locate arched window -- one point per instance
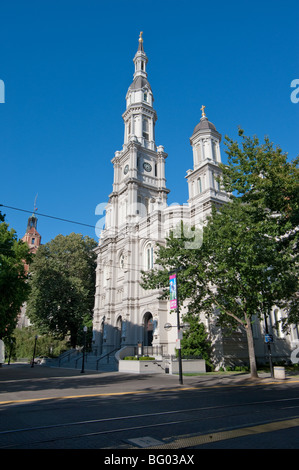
(149, 256)
(105, 275)
(122, 262)
(199, 182)
(214, 150)
(145, 129)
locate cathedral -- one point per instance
(138, 217)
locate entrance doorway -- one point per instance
(148, 329)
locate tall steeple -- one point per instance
(139, 185)
(140, 116)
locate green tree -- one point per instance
(245, 271)
(262, 176)
(196, 342)
(46, 345)
(14, 288)
(63, 285)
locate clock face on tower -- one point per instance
(147, 166)
(126, 169)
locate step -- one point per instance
(90, 363)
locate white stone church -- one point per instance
(138, 217)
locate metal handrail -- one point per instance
(66, 355)
(105, 355)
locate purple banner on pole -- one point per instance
(173, 291)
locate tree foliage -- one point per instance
(14, 288)
(196, 342)
(24, 340)
(263, 177)
(247, 262)
(63, 285)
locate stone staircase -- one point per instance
(73, 359)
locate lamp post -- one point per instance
(268, 341)
(179, 340)
(84, 347)
(174, 303)
(32, 365)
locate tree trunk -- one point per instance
(73, 337)
(252, 361)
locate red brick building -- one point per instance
(32, 237)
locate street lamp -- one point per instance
(32, 365)
(84, 347)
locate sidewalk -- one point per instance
(21, 382)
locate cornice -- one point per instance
(139, 108)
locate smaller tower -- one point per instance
(33, 240)
(32, 237)
(203, 180)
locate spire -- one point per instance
(32, 223)
(140, 60)
(140, 116)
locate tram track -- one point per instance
(36, 436)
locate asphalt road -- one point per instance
(127, 415)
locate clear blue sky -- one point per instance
(67, 66)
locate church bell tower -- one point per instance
(204, 183)
(139, 185)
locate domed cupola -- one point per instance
(205, 141)
(204, 125)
